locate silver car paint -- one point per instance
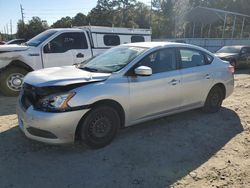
(60, 76)
(142, 98)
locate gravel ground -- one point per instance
(190, 149)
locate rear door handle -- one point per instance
(80, 55)
(207, 76)
(174, 82)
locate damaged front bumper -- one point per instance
(48, 127)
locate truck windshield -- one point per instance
(113, 60)
(229, 49)
(37, 40)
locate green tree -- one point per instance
(22, 30)
(65, 22)
(142, 15)
(80, 20)
(163, 18)
(102, 14)
(31, 29)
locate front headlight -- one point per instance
(56, 102)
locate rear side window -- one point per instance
(111, 40)
(137, 39)
(191, 58)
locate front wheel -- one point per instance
(11, 80)
(100, 126)
(214, 100)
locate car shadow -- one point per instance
(153, 154)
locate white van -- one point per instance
(60, 47)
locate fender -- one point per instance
(17, 63)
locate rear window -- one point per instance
(137, 39)
(111, 40)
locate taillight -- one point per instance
(231, 69)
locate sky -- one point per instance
(50, 10)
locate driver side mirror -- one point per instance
(143, 71)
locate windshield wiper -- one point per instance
(89, 69)
(94, 70)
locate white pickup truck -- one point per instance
(60, 47)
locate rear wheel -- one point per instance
(11, 80)
(214, 100)
(100, 126)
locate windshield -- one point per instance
(40, 38)
(229, 49)
(114, 59)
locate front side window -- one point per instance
(113, 59)
(191, 58)
(111, 40)
(65, 42)
(160, 61)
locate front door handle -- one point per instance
(80, 55)
(174, 82)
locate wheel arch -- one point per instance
(222, 87)
(105, 102)
(20, 64)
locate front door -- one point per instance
(156, 94)
(66, 49)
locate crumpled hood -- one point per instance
(223, 55)
(12, 48)
(61, 76)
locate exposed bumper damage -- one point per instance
(48, 127)
(53, 128)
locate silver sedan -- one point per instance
(126, 85)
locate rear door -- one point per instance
(196, 76)
(66, 49)
(158, 93)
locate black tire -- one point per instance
(99, 127)
(6, 80)
(214, 100)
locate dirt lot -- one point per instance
(191, 149)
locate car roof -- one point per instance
(237, 46)
(65, 29)
(165, 44)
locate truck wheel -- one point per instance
(99, 127)
(11, 80)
